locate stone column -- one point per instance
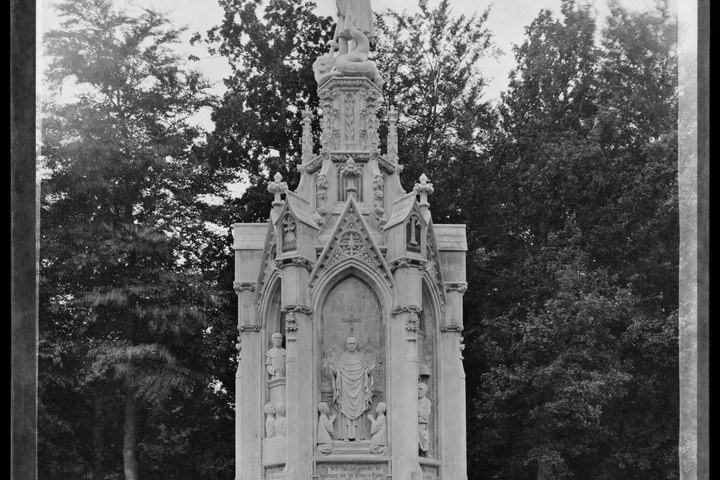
(403, 370)
(248, 381)
(451, 387)
(299, 366)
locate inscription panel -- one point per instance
(334, 471)
(429, 472)
(275, 473)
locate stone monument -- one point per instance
(365, 292)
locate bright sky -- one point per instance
(507, 22)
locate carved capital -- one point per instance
(407, 262)
(405, 309)
(296, 261)
(297, 308)
(451, 328)
(249, 328)
(460, 287)
(242, 286)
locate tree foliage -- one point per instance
(258, 121)
(124, 296)
(567, 375)
(429, 61)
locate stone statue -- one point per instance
(378, 430)
(352, 390)
(280, 420)
(275, 357)
(424, 407)
(349, 12)
(325, 430)
(355, 23)
(269, 420)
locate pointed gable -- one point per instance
(299, 208)
(403, 207)
(351, 239)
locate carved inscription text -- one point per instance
(331, 471)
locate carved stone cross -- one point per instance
(351, 244)
(351, 320)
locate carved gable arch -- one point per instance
(351, 242)
(407, 227)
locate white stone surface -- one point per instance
(350, 254)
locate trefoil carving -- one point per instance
(460, 287)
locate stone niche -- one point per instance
(351, 308)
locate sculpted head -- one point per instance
(351, 344)
(323, 407)
(422, 390)
(381, 408)
(269, 408)
(281, 409)
(277, 339)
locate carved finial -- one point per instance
(351, 172)
(277, 188)
(424, 188)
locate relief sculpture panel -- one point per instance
(352, 367)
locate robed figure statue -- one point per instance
(352, 391)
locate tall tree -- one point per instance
(123, 224)
(570, 318)
(430, 61)
(258, 121)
